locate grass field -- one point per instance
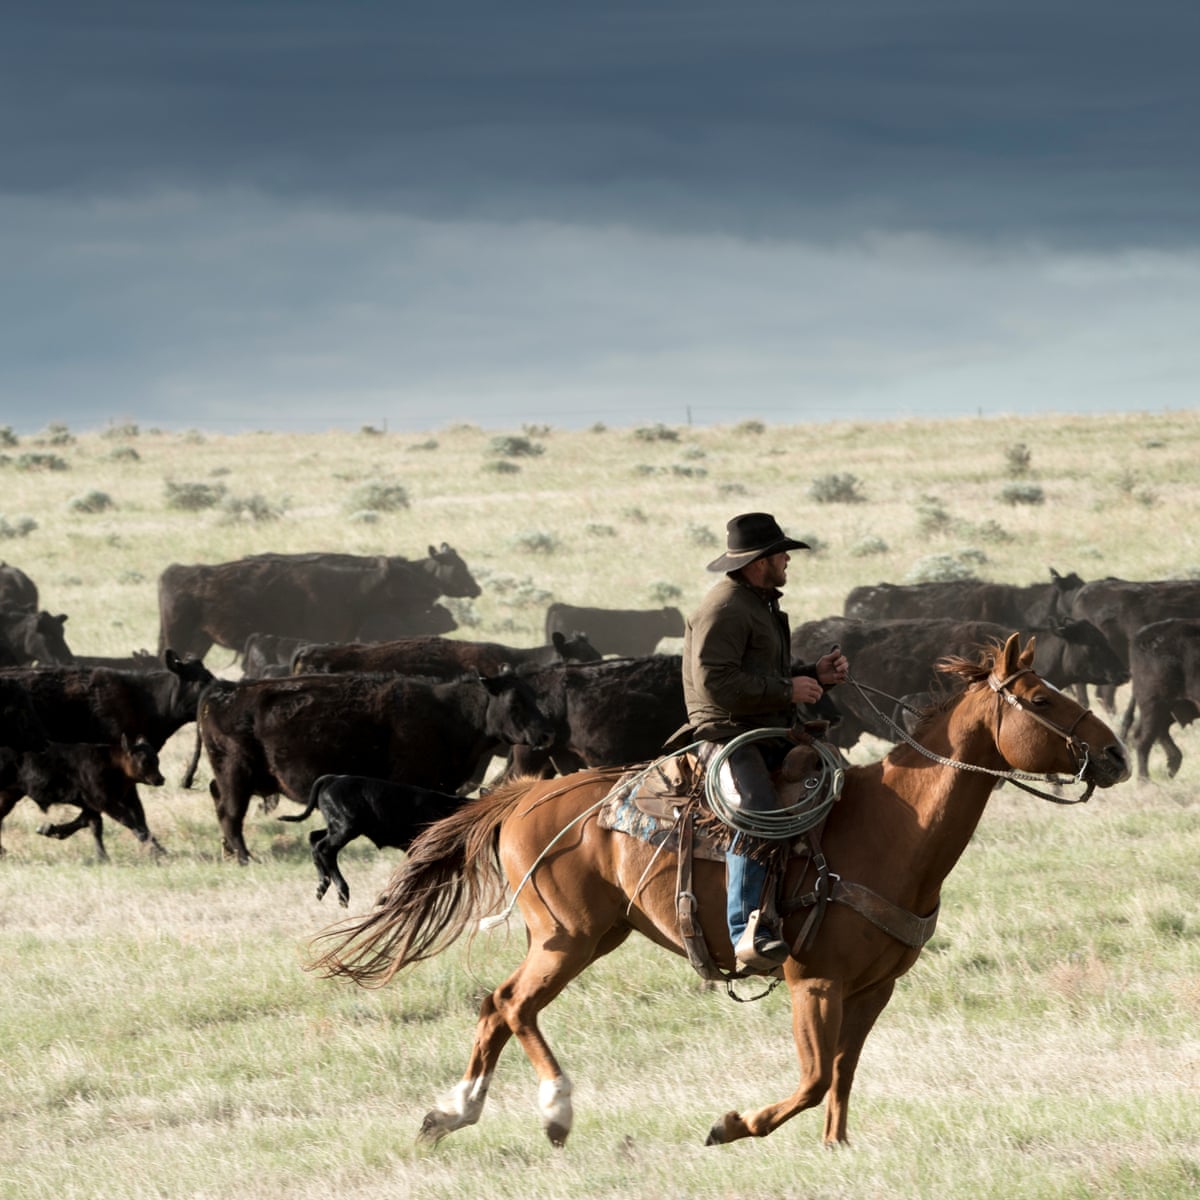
(160, 1038)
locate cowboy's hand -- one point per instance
(806, 690)
(832, 668)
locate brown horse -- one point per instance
(898, 829)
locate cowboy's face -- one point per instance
(774, 570)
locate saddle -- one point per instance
(663, 803)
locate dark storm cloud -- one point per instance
(1065, 122)
(293, 214)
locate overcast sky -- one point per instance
(302, 214)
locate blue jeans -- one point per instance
(744, 883)
(747, 776)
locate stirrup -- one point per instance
(760, 948)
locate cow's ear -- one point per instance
(171, 659)
(61, 619)
(125, 742)
(432, 551)
(559, 641)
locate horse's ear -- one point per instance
(1026, 659)
(1007, 661)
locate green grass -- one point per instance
(159, 1037)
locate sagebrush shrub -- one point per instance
(19, 527)
(1023, 493)
(938, 568)
(535, 541)
(839, 488)
(512, 446)
(501, 466)
(193, 497)
(91, 502)
(1019, 459)
(662, 592)
(867, 546)
(41, 462)
(656, 433)
(379, 495)
(254, 508)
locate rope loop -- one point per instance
(818, 797)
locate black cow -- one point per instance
(1120, 607)
(266, 736)
(28, 637)
(606, 713)
(100, 780)
(1164, 659)
(318, 597)
(439, 658)
(897, 657)
(20, 726)
(625, 631)
(1016, 605)
(383, 626)
(390, 814)
(17, 590)
(81, 704)
(139, 660)
(268, 655)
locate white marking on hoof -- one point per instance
(554, 1103)
(461, 1107)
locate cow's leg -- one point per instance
(1153, 725)
(231, 798)
(66, 828)
(87, 817)
(1106, 693)
(512, 1010)
(858, 1018)
(316, 839)
(325, 855)
(1127, 718)
(816, 1028)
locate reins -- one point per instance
(1001, 687)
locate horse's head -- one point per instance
(1040, 729)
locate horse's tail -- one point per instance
(450, 877)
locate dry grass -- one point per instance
(161, 1039)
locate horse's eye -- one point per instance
(1040, 699)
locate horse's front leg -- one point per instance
(816, 1028)
(859, 1014)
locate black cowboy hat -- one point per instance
(750, 536)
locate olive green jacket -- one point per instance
(737, 671)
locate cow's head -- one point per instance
(139, 760)
(45, 641)
(575, 648)
(513, 715)
(451, 573)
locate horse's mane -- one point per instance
(970, 671)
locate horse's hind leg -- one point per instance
(512, 1009)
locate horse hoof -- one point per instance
(433, 1128)
(719, 1134)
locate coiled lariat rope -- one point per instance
(820, 793)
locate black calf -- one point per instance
(390, 814)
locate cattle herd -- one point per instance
(353, 703)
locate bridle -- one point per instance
(1004, 695)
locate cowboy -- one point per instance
(737, 676)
